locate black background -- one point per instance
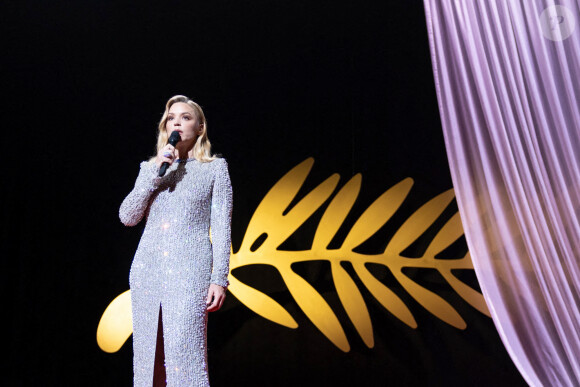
(348, 83)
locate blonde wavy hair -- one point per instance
(202, 147)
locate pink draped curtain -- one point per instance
(507, 75)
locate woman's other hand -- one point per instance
(215, 297)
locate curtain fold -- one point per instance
(507, 75)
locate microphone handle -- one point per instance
(163, 169)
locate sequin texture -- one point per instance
(175, 262)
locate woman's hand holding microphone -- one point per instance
(167, 154)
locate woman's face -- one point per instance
(182, 118)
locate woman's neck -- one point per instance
(185, 149)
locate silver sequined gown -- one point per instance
(175, 263)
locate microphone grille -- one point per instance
(174, 138)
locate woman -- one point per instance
(178, 274)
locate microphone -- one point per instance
(173, 140)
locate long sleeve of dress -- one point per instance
(221, 215)
(135, 204)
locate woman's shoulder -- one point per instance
(218, 162)
(219, 167)
(147, 164)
